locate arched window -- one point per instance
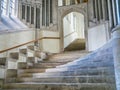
(8, 7)
(4, 7)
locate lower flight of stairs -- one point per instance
(92, 72)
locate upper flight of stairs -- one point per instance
(77, 44)
(66, 71)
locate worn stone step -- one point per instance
(50, 63)
(42, 66)
(31, 47)
(22, 65)
(76, 68)
(100, 71)
(60, 86)
(31, 70)
(31, 59)
(23, 51)
(14, 55)
(70, 79)
(87, 63)
(42, 55)
(11, 73)
(25, 75)
(2, 61)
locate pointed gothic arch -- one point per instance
(63, 11)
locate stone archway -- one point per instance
(63, 11)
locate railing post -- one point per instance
(116, 54)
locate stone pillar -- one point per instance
(118, 10)
(114, 12)
(19, 15)
(106, 10)
(116, 54)
(40, 15)
(52, 6)
(64, 2)
(100, 9)
(35, 16)
(103, 9)
(45, 12)
(0, 9)
(110, 13)
(7, 8)
(30, 16)
(25, 13)
(96, 10)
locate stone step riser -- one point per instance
(70, 80)
(87, 65)
(31, 71)
(23, 51)
(3, 61)
(76, 64)
(61, 87)
(75, 68)
(74, 73)
(14, 55)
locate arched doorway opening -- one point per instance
(63, 11)
(74, 31)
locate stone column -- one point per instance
(116, 54)
(25, 13)
(103, 9)
(0, 9)
(100, 9)
(41, 16)
(110, 13)
(35, 16)
(118, 10)
(45, 12)
(64, 2)
(114, 12)
(19, 15)
(7, 8)
(96, 10)
(106, 10)
(30, 16)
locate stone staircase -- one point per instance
(64, 71)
